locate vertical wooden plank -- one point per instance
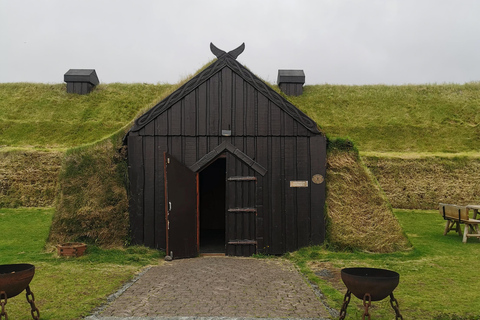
(259, 220)
(213, 105)
(239, 217)
(136, 177)
(250, 111)
(161, 124)
(302, 131)
(202, 118)
(212, 143)
(149, 192)
(262, 218)
(303, 194)
(288, 126)
(250, 151)
(318, 156)
(160, 224)
(253, 230)
(238, 124)
(265, 158)
(190, 150)
(275, 120)
(149, 129)
(231, 199)
(190, 115)
(262, 115)
(201, 147)
(175, 119)
(227, 97)
(276, 189)
(240, 202)
(290, 194)
(175, 147)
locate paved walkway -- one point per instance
(217, 288)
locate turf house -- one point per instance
(225, 164)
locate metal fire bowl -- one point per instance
(14, 278)
(379, 283)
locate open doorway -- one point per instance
(212, 207)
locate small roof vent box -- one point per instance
(81, 81)
(291, 81)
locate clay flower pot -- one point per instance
(71, 249)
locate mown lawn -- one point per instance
(64, 288)
(438, 278)
(46, 116)
(407, 118)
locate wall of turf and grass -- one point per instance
(421, 142)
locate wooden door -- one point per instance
(181, 209)
(241, 219)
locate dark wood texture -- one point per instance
(80, 81)
(269, 144)
(291, 81)
(291, 89)
(181, 209)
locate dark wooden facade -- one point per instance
(257, 165)
(80, 81)
(291, 81)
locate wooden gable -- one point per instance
(224, 95)
(272, 155)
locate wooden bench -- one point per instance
(456, 215)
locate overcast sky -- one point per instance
(333, 41)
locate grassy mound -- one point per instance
(408, 118)
(423, 182)
(46, 116)
(413, 118)
(28, 178)
(92, 203)
(360, 217)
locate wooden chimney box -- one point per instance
(291, 81)
(80, 81)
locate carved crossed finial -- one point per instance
(234, 53)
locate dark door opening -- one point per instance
(212, 207)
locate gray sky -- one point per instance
(153, 41)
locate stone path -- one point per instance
(217, 288)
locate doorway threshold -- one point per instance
(212, 254)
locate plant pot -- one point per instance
(71, 249)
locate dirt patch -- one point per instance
(328, 273)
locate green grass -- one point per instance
(408, 118)
(46, 116)
(378, 118)
(438, 278)
(64, 288)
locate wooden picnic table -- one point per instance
(475, 208)
(456, 215)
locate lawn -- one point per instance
(64, 288)
(438, 278)
(46, 116)
(407, 118)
